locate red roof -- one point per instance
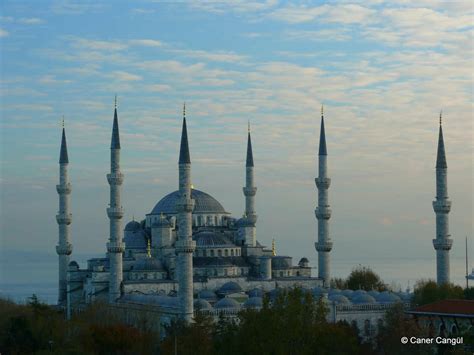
(451, 307)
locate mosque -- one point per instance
(189, 254)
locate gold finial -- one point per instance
(440, 117)
(133, 218)
(249, 126)
(184, 109)
(148, 249)
(322, 110)
(192, 187)
(62, 122)
(274, 253)
(162, 216)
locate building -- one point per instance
(189, 254)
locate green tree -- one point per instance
(364, 278)
(428, 291)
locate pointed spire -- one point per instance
(63, 157)
(184, 157)
(322, 137)
(274, 253)
(441, 157)
(249, 162)
(115, 130)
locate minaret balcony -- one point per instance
(443, 244)
(115, 212)
(186, 205)
(251, 218)
(64, 218)
(322, 212)
(322, 183)
(64, 189)
(323, 246)
(64, 249)
(115, 247)
(442, 206)
(115, 178)
(185, 246)
(250, 191)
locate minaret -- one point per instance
(64, 218)
(442, 206)
(185, 246)
(115, 246)
(323, 212)
(249, 192)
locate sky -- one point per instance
(382, 70)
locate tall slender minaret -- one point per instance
(115, 246)
(323, 212)
(442, 206)
(64, 219)
(185, 246)
(249, 191)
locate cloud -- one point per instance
(125, 76)
(99, 45)
(158, 88)
(51, 79)
(146, 42)
(238, 6)
(216, 56)
(30, 21)
(68, 7)
(4, 33)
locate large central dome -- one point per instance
(204, 203)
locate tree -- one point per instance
(428, 291)
(364, 278)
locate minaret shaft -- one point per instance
(323, 212)
(185, 246)
(115, 246)
(250, 230)
(442, 206)
(64, 219)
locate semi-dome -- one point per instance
(387, 297)
(254, 302)
(202, 305)
(227, 303)
(203, 203)
(348, 292)
(230, 287)
(207, 295)
(374, 293)
(132, 226)
(147, 264)
(255, 292)
(212, 239)
(334, 291)
(339, 299)
(362, 298)
(358, 293)
(135, 239)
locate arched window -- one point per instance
(367, 327)
(231, 252)
(215, 272)
(219, 252)
(225, 272)
(212, 252)
(226, 252)
(204, 252)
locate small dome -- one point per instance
(202, 305)
(318, 291)
(229, 287)
(405, 296)
(147, 264)
(256, 292)
(254, 302)
(207, 295)
(212, 239)
(334, 291)
(227, 303)
(304, 262)
(387, 297)
(273, 294)
(347, 293)
(133, 226)
(73, 265)
(358, 293)
(373, 293)
(362, 298)
(339, 299)
(135, 239)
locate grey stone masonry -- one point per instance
(323, 212)
(185, 246)
(115, 246)
(64, 219)
(441, 206)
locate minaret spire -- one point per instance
(115, 246)
(323, 212)
(185, 245)
(64, 219)
(442, 243)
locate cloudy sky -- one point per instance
(382, 70)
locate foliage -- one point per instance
(428, 291)
(469, 293)
(361, 277)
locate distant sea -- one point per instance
(25, 273)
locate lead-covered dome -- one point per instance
(203, 203)
(147, 264)
(212, 239)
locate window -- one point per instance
(226, 252)
(212, 252)
(225, 272)
(242, 271)
(204, 253)
(219, 252)
(367, 327)
(232, 252)
(281, 273)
